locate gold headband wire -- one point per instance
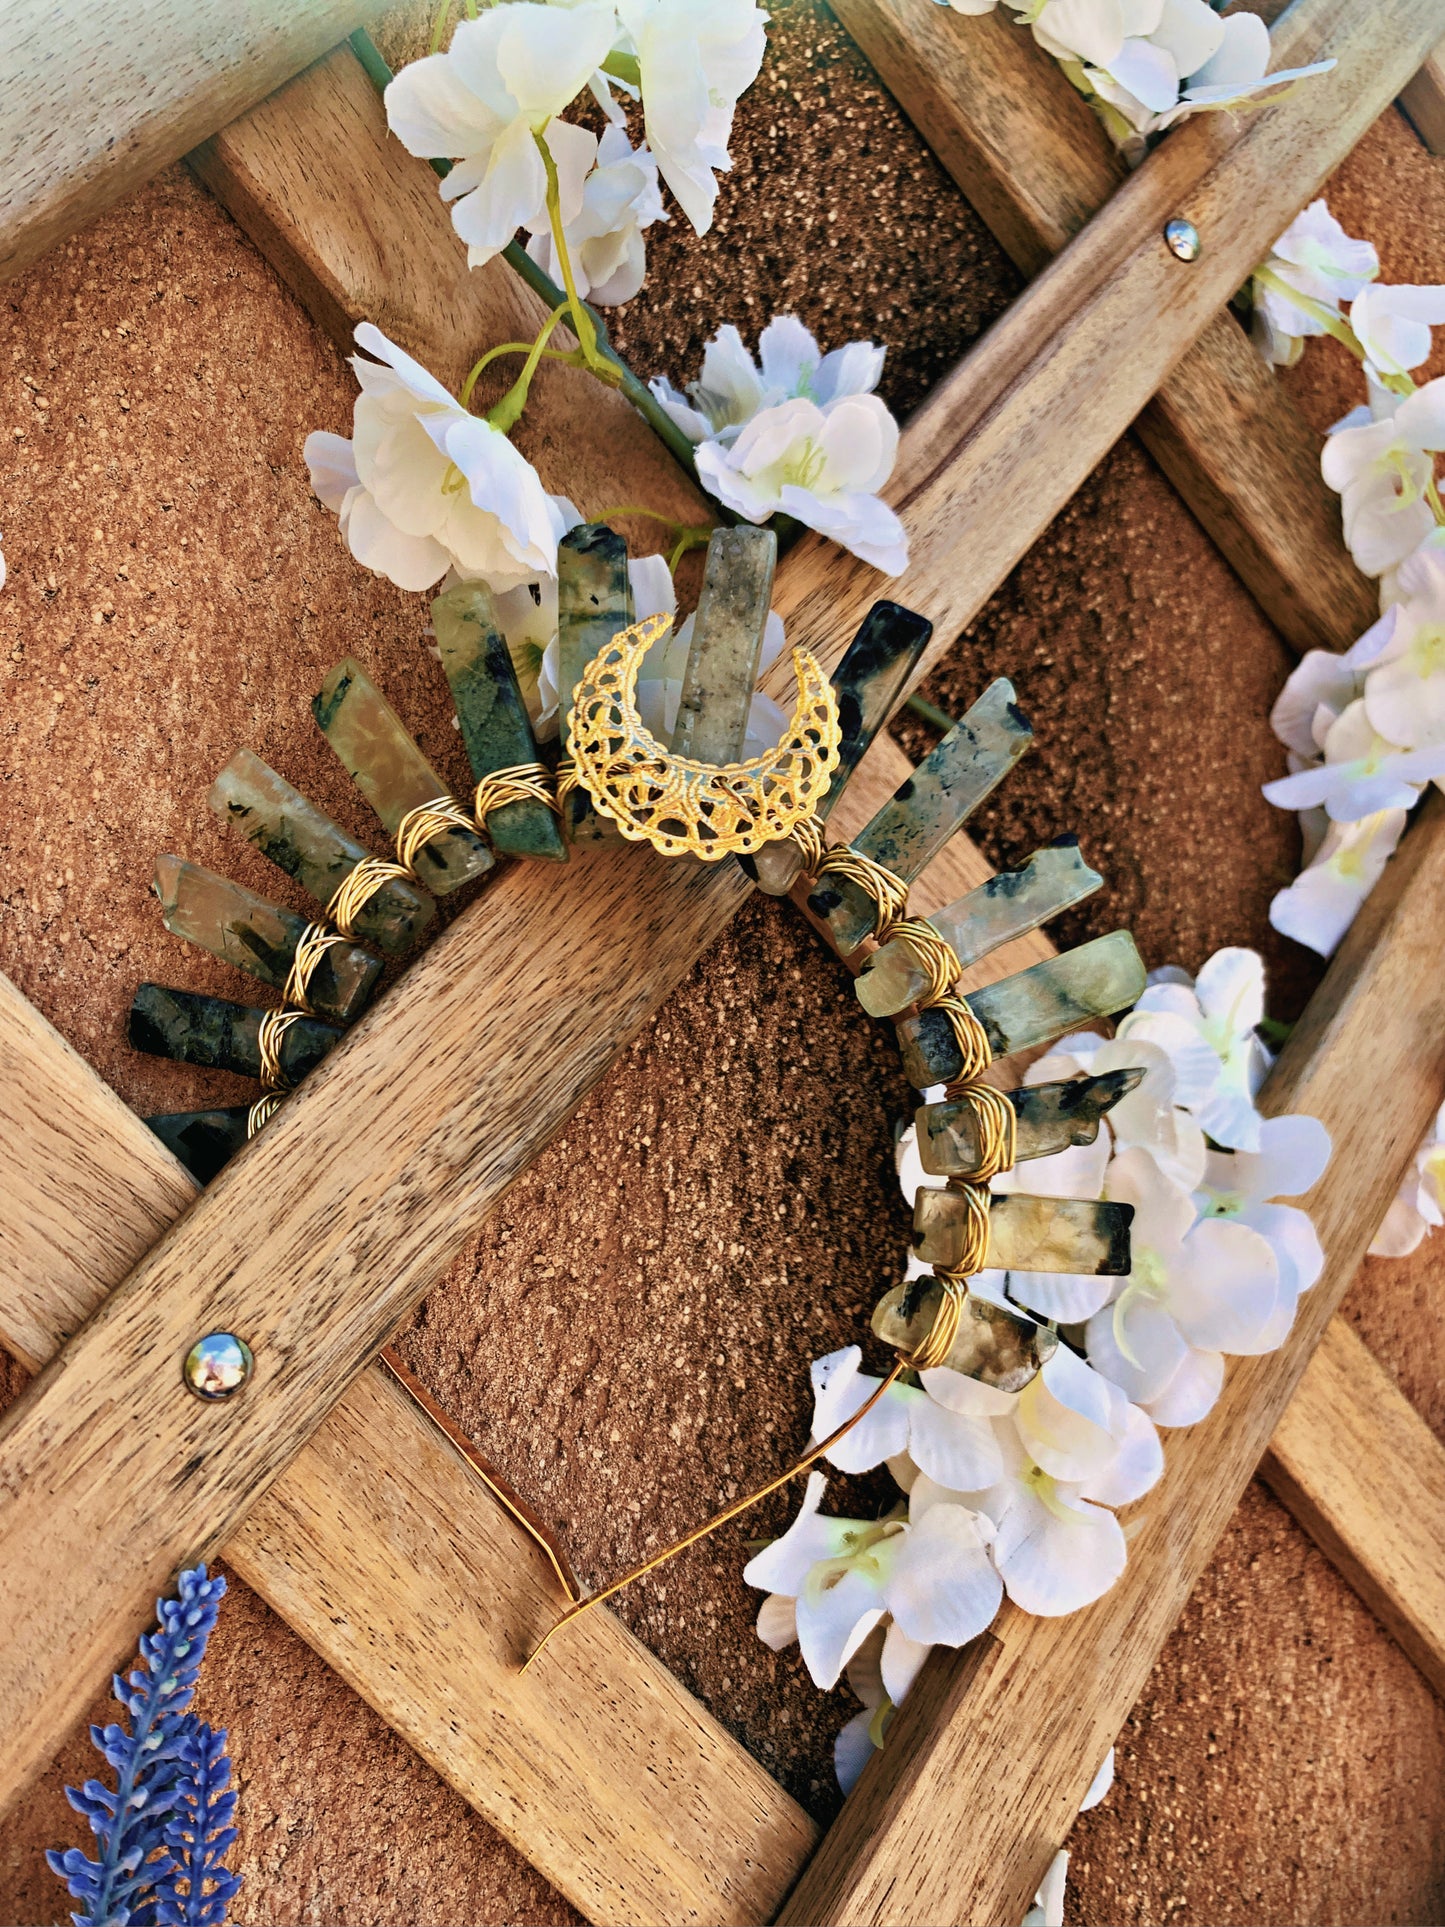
(518, 783)
(425, 824)
(316, 939)
(359, 886)
(935, 955)
(888, 893)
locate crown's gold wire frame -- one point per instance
(680, 806)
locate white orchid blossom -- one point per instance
(1362, 773)
(1325, 898)
(486, 103)
(423, 486)
(733, 387)
(1315, 258)
(1405, 687)
(1419, 1205)
(620, 199)
(954, 1447)
(1243, 1187)
(1208, 1028)
(1392, 325)
(1383, 471)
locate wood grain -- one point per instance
(98, 99)
(1035, 161)
(1020, 1736)
(1423, 100)
(388, 1556)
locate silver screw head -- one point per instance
(1181, 237)
(217, 1365)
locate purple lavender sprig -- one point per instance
(130, 1821)
(198, 1833)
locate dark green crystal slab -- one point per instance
(594, 601)
(204, 1141)
(305, 843)
(392, 774)
(1049, 1118)
(492, 712)
(1080, 1235)
(241, 928)
(1031, 1007)
(868, 683)
(948, 785)
(193, 1029)
(727, 645)
(1009, 905)
(993, 1345)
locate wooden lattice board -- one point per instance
(331, 1495)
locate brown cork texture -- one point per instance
(628, 1336)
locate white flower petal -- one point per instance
(1137, 1464)
(901, 1662)
(778, 1621)
(944, 1590)
(1191, 1392)
(1057, 1553)
(853, 1749)
(952, 1449)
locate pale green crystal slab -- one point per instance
(1009, 905)
(947, 786)
(260, 937)
(1048, 1118)
(1026, 1234)
(992, 1345)
(727, 644)
(392, 774)
(1031, 1007)
(594, 602)
(492, 712)
(867, 683)
(305, 843)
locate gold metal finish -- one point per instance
(518, 783)
(359, 886)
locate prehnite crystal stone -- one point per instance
(993, 1345)
(868, 683)
(204, 1141)
(1009, 905)
(594, 602)
(305, 843)
(727, 644)
(1026, 1234)
(1048, 1118)
(910, 830)
(392, 774)
(193, 1029)
(492, 712)
(241, 928)
(1031, 1007)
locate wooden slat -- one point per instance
(1423, 100)
(1035, 161)
(98, 99)
(320, 1238)
(1029, 1721)
(388, 1556)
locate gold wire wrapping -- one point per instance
(971, 1038)
(808, 835)
(935, 955)
(887, 893)
(273, 1028)
(996, 1122)
(937, 1348)
(518, 783)
(356, 890)
(974, 1256)
(315, 940)
(680, 806)
(262, 1111)
(567, 781)
(424, 824)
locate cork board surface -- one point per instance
(175, 594)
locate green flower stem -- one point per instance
(505, 414)
(572, 356)
(581, 321)
(687, 538)
(1332, 323)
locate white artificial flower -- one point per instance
(1048, 1907)
(956, 1447)
(483, 103)
(1382, 470)
(424, 486)
(2, 565)
(1316, 258)
(620, 199)
(1079, 1427)
(1419, 1205)
(695, 57)
(1207, 1029)
(1149, 1116)
(1362, 773)
(821, 465)
(1325, 898)
(1392, 325)
(1243, 1187)
(1405, 687)
(733, 387)
(1197, 1288)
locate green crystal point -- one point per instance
(727, 645)
(993, 1345)
(240, 928)
(1009, 905)
(868, 682)
(1031, 1007)
(190, 1028)
(948, 785)
(1026, 1234)
(1049, 1118)
(492, 712)
(594, 602)
(392, 774)
(304, 842)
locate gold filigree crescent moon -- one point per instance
(686, 808)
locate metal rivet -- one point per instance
(217, 1365)
(1182, 239)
